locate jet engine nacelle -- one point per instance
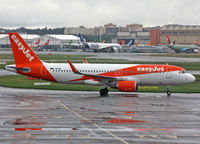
(195, 50)
(127, 86)
(115, 50)
(111, 50)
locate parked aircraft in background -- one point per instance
(37, 42)
(138, 43)
(47, 42)
(120, 42)
(38, 45)
(182, 48)
(198, 43)
(100, 47)
(130, 43)
(123, 43)
(147, 48)
(124, 77)
(69, 42)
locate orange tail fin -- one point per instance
(23, 54)
(26, 61)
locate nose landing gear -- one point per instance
(104, 92)
(168, 92)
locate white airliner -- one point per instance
(124, 77)
(101, 47)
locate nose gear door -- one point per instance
(169, 73)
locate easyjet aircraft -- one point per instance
(124, 77)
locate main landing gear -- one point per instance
(104, 92)
(168, 92)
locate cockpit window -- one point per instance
(182, 72)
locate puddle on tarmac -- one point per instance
(127, 113)
(124, 121)
(152, 129)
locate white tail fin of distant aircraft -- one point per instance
(130, 43)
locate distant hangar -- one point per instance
(45, 42)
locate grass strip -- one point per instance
(22, 82)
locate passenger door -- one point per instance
(118, 72)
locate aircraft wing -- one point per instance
(91, 75)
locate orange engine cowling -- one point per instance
(127, 86)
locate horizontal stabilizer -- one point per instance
(23, 69)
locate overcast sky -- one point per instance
(90, 13)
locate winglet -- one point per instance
(72, 67)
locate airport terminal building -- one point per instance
(181, 34)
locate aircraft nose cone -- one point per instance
(192, 78)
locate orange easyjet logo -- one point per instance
(22, 48)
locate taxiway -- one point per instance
(45, 116)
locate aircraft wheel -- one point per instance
(104, 92)
(168, 92)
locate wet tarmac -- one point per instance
(6, 73)
(41, 116)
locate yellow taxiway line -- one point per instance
(89, 121)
